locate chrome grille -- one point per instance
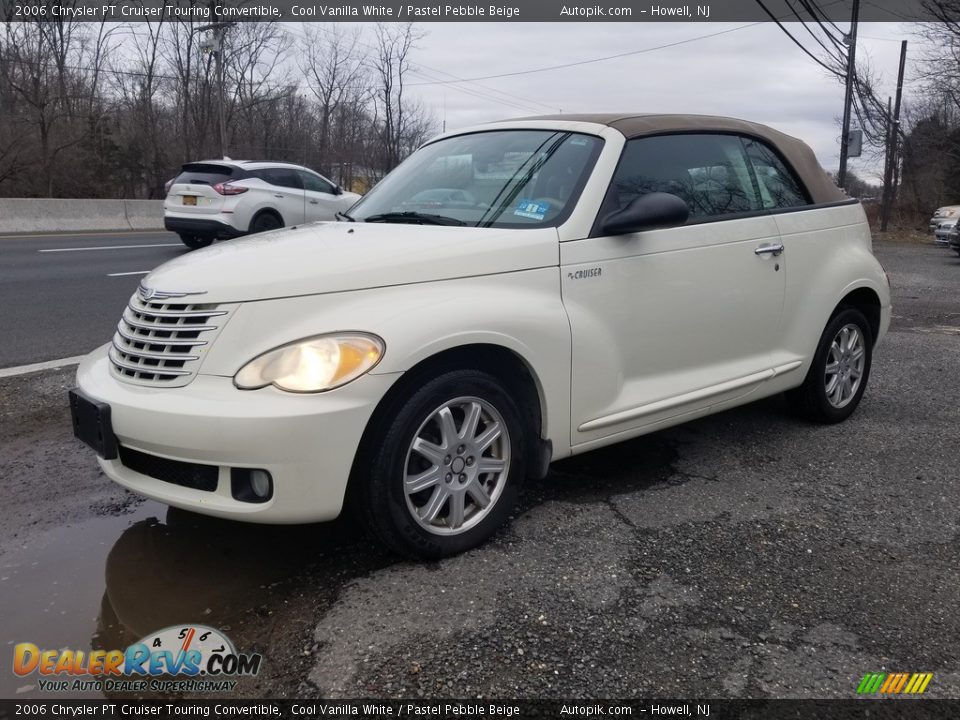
(163, 342)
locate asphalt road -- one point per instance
(63, 294)
(748, 554)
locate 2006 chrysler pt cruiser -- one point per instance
(510, 295)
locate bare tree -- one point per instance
(138, 85)
(335, 73)
(394, 45)
(116, 109)
(53, 69)
(253, 60)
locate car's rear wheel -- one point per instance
(841, 367)
(446, 461)
(195, 242)
(265, 221)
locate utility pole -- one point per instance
(220, 29)
(851, 41)
(893, 142)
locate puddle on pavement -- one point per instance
(108, 582)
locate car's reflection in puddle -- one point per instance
(187, 569)
(193, 569)
(114, 579)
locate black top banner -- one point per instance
(470, 10)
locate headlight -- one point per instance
(314, 364)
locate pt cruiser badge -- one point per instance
(584, 274)
(421, 358)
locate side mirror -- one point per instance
(337, 190)
(647, 212)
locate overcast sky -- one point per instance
(754, 73)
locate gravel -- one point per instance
(747, 554)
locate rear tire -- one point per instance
(195, 242)
(839, 372)
(444, 466)
(265, 222)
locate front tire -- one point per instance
(195, 242)
(446, 463)
(841, 367)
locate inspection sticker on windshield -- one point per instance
(532, 209)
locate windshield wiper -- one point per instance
(415, 218)
(345, 216)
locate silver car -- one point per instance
(947, 211)
(941, 234)
(953, 239)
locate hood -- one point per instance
(331, 257)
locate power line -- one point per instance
(482, 96)
(599, 59)
(811, 7)
(812, 34)
(817, 10)
(526, 103)
(796, 42)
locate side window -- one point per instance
(779, 187)
(709, 172)
(315, 183)
(281, 177)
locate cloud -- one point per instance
(754, 73)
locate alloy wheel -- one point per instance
(844, 369)
(457, 466)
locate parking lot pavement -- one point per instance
(745, 554)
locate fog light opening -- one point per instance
(251, 485)
(260, 483)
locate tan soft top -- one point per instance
(796, 152)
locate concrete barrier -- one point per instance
(33, 215)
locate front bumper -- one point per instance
(941, 237)
(306, 442)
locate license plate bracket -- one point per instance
(91, 424)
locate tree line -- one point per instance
(926, 141)
(113, 110)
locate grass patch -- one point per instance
(904, 235)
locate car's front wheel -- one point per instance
(445, 464)
(195, 242)
(841, 367)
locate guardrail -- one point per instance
(31, 215)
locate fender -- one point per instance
(520, 311)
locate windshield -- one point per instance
(500, 178)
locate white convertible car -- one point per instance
(593, 278)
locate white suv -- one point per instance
(598, 278)
(225, 198)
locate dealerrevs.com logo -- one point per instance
(181, 658)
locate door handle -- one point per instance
(769, 249)
(314, 202)
(278, 195)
